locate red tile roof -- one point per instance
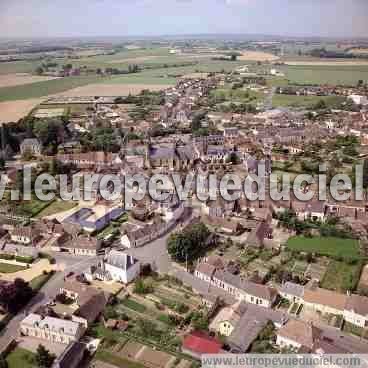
(201, 343)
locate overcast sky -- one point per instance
(40, 18)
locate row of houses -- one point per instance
(214, 273)
(353, 308)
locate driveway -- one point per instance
(155, 253)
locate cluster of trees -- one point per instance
(238, 108)
(132, 68)
(323, 53)
(100, 139)
(189, 244)
(15, 295)
(146, 97)
(44, 358)
(329, 228)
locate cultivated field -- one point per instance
(9, 80)
(46, 88)
(257, 56)
(133, 60)
(327, 62)
(15, 110)
(360, 51)
(112, 89)
(325, 74)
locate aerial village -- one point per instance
(95, 283)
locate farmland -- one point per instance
(113, 89)
(257, 56)
(40, 89)
(159, 69)
(325, 246)
(15, 110)
(323, 74)
(9, 80)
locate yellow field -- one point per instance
(257, 56)
(15, 110)
(17, 79)
(361, 51)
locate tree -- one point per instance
(3, 362)
(14, 296)
(189, 244)
(43, 357)
(365, 174)
(39, 70)
(320, 105)
(233, 158)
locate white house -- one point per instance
(296, 334)
(356, 311)
(52, 329)
(359, 100)
(119, 266)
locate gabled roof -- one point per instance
(201, 343)
(301, 332)
(292, 289)
(120, 259)
(358, 304)
(325, 297)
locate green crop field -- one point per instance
(325, 74)
(325, 246)
(40, 89)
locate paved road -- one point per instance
(155, 252)
(46, 294)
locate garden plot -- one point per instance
(154, 359)
(258, 266)
(316, 271)
(49, 113)
(299, 268)
(131, 349)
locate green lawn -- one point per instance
(56, 207)
(21, 358)
(239, 95)
(37, 283)
(31, 208)
(341, 276)
(327, 246)
(304, 101)
(10, 268)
